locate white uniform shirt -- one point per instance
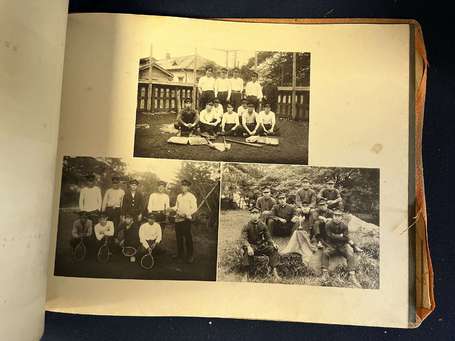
(158, 202)
(230, 118)
(266, 118)
(253, 89)
(206, 83)
(237, 84)
(242, 110)
(186, 204)
(149, 232)
(106, 230)
(90, 199)
(207, 117)
(218, 110)
(113, 198)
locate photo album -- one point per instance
(265, 169)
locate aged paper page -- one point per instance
(359, 113)
(32, 37)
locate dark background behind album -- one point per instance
(438, 138)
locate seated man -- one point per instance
(282, 218)
(230, 124)
(149, 234)
(187, 119)
(320, 216)
(104, 230)
(265, 204)
(267, 122)
(337, 242)
(218, 108)
(128, 232)
(332, 195)
(209, 120)
(256, 241)
(82, 228)
(250, 122)
(243, 108)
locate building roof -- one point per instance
(146, 65)
(185, 62)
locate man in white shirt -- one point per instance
(230, 124)
(267, 121)
(253, 91)
(250, 121)
(242, 108)
(104, 230)
(236, 89)
(185, 207)
(223, 88)
(206, 88)
(112, 201)
(209, 120)
(149, 234)
(90, 199)
(158, 203)
(218, 108)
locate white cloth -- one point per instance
(300, 243)
(90, 199)
(158, 202)
(222, 85)
(149, 232)
(206, 83)
(267, 118)
(241, 110)
(186, 204)
(106, 230)
(250, 118)
(218, 110)
(207, 117)
(113, 198)
(253, 89)
(230, 118)
(237, 84)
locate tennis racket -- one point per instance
(80, 251)
(129, 251)
(104, 254)
(147, 260)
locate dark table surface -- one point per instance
(438, 140)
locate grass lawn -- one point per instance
(231, 223)
(166, 268)
(152, 142)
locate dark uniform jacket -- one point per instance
(333, 231)
(286, 212)
(329, 194)
(133, 205)
(188, 116)
(265, 204)
(255, 233)
(306, 197)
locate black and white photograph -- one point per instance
(299, 225)
(223, 105)
(138, 219)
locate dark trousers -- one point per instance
(268, 126)
(318, 230)
(207, 128)
(250, 126)
(205, 97)
(254, 100)
(184, 129)
(222, 96)
(184, 236)
(236, 99)
(344, 250)
(228, 129)
(277, 228)
(264, 249)
(113, 214)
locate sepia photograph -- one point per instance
(138, 219)
(216, 104)
(299, 225)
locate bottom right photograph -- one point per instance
(300, 225)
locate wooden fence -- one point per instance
(168, 97)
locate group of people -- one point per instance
(315, 218)
(227, 107)
(127, 219)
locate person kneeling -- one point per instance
(187, 119)
(282, 218)
(149, 235)
(267, 119)
(230, 124)
(82, 229)
(104, 230)
(256, 241)
(337, 242)
(209, 120)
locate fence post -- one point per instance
(293, 99)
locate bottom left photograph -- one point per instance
(138, 219)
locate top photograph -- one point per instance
(213, 104)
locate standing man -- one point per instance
(270, 92)
(206, 88)
(236, 89)
(282, 218)
(158, 204)
(90, 199)
(187, 119)
(257, 241)
(332, 195)
(223, 88)
(112, 201)
(133, 201)
(337, 242)
(253, 91)
(185, 207)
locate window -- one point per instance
(181, 79)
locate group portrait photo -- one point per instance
(299, 225)
(135, 218)
(227, 105)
